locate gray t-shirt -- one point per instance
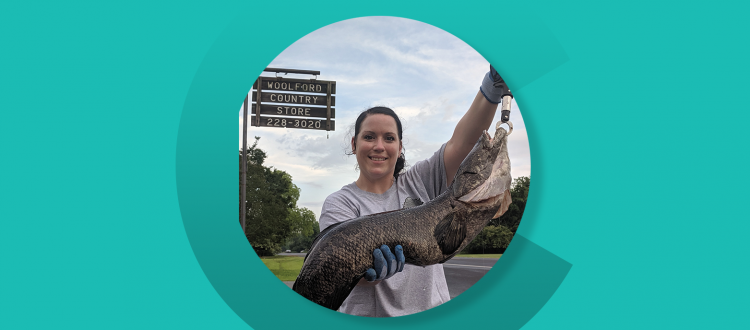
(416, 288)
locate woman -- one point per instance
(391, 288)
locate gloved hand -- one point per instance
(493, 87)
(386, 264)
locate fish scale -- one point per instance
(430, 233)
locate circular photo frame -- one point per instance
(333, 118)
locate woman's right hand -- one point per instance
(385, 265)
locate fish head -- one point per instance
(484, 175)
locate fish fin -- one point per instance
(412, 202)
(450, 233)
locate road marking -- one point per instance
(471, 266)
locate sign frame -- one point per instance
(299, 87)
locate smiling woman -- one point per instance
(377, 144)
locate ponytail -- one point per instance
(400, 163)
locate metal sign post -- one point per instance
(287, 103)
(243, 193)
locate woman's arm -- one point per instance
(477, 119)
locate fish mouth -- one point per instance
(503, 199)
(496, 188)
(482, 202)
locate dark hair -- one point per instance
(401, 161)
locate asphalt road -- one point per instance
(460, 273)
(292, 254)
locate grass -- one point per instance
(492, 256)
(285, 268)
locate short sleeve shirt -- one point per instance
(416, 288)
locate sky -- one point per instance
(426, 75)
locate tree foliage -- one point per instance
(303, 221)
(498, 233)
(302, 241)
(272, 214)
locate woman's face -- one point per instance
(377, 147)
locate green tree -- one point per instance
(306, 228)
(272, 214)
(518, 193)
(303, 221)
(302, 241)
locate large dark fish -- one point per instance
(430, 233)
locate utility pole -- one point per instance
(243, 193)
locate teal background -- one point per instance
(117, 134)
